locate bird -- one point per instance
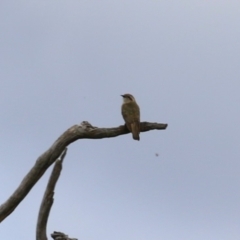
(131, 115)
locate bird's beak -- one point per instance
(122, 95)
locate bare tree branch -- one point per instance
(84, 130)
(48, 199)
(61, 236)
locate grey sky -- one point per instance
(63, 62)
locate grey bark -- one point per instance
(84, 130)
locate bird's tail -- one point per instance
(135, 127)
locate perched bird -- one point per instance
(131, 115)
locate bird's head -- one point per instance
(128, 98)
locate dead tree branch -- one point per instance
(61, 236)
(48, 199)
(84, 130)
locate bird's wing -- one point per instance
(131, 114)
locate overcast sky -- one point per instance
(63, 62)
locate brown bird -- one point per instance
(131, 115)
